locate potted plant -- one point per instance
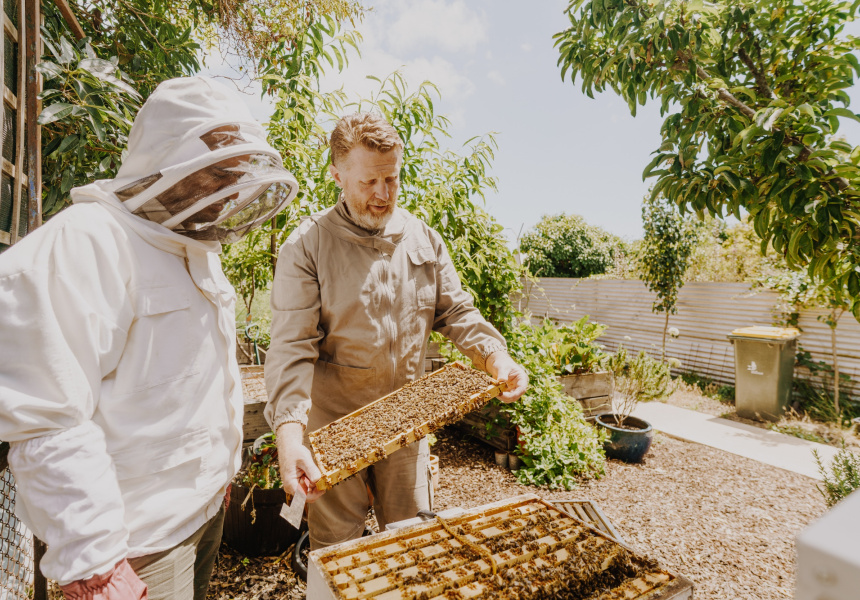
(637, 379)
(252, 524)
(578, 361)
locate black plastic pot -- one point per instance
(269, 534)
(628, 445)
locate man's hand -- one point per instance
(501, 366)
(297, 464)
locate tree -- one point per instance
(725, 252)
(754, 92)
(566, 246)
(94, 87)
(799, 291)
(665, 255)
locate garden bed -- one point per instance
(725, 522)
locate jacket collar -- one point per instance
(338, 222)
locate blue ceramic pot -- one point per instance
(628, 445)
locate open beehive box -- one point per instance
(369, 434)
(521, 548)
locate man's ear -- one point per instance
(336, 174)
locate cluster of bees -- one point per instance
(542, 554)
(435, 400)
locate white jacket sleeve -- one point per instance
(64, 317)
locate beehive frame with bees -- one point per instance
(522, 548)
(369, 434)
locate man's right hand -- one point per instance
(297, 464)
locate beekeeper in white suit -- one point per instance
(119, 387)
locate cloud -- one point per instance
(447, 26)
(452, 83)
(526, 47)
(496, 77)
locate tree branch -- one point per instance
(760, 81)
(726, 96)
(729, 98)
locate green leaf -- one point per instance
(55, 112)
(842, 112)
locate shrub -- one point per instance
(841, 478)
(638, 379)
(262, 464)
(573, 349)
(560, 447)
(566, 246)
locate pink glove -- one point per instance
(120, 583)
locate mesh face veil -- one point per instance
(221, 200)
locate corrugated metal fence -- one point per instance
(707, 312)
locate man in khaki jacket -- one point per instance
(358, 289)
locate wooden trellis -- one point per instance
(21, 171)
(15, 122)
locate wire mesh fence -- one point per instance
(16, 547)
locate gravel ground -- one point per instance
(725, 522)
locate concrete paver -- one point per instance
(772, 448)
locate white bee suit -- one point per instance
(119, 387)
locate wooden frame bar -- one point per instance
(70, 18)
(9, 27)
(404, 438)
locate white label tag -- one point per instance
(292, 514)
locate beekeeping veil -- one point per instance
(199, 164)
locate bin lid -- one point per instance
(766, 333)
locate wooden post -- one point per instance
(4, 453)
(33, 108)
(40, 584)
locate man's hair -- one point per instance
(365, 129)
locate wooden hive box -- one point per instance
(452, 412)
(535, 550)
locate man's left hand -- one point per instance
(501, 366)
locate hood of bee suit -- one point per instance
(197, 164)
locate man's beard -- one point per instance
(366, 219)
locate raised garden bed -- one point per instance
(254, 390)
(593, 391)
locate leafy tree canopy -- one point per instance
(753, 93)
(726, 252)
(94, 87)
(566, 246)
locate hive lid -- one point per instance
(766, 333)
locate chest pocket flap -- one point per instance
(155, 301)
(420, 256)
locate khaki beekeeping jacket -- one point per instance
(119, 387)
(352, 311)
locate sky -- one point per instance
(495, 66)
